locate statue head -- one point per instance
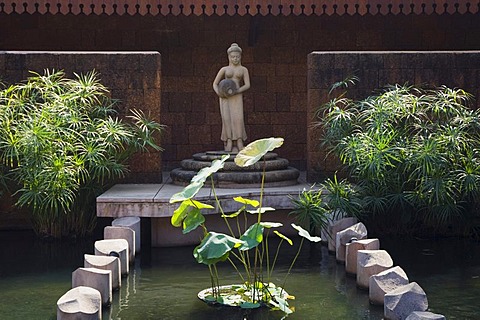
(234, 48)
(234, 54)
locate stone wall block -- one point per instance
(336, 226)
(133, 223)
(117, 248)
(98, 279)
(369, 263)
(126, 233)
(401, 302)
(80, 303)
(106, 263)
(357, 231)
(352, 251)
(384, 282)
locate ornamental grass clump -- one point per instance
(245, 247)
(60, 146)
(413, 153)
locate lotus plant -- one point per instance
(244, 246)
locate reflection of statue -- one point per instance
(229, 84)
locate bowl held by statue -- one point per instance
(227, 88)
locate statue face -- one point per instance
(235, 57)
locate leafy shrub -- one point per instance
(60, 144)
(414, 154)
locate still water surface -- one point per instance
(164, 282)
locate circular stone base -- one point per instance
(277, 171)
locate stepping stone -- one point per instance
(117, 248)
(370, 262)
(337, 226)
(425, 315)
(126, 233)
(401, 302)
(351, 251)
(384, 282)
(98, 279)
(357, 231)
(133, 223)
(80, 303)
(106, 263)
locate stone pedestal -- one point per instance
(401, 302)
(384, 282)
(80, 303)
(277, 171)
(126, 233)
(133, 223)
(351, 250)
(117, 248)
(357, 231)
(106, 263)
(337, 226)
(370, 262)
(98, 279)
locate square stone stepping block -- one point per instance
(370, 262)
(401, 302)
(384, 282)
(98, 279)
(425, 315)
(117, 248)
(111, 232)
(133, 223)
(80, 303)
(351, 250)
(357, 231)
(337, 226)
(106, 263)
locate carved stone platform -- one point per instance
(277, 171)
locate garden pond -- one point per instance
(164, 282)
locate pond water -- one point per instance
(164, 282)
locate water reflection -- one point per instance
(164, 282)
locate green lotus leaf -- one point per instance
(204, 173)
(269, 225)
(193, 219)
(304, 233)
(187, 193)
(215, 247)
(179, 214)
(249, 305)
(199, 205)
(256, 150)
(290, 242)
(253, 203)
(261, 210)
(252, 237)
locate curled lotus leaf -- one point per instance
(282, 236)
(253, 203)
(204, 173)
(255, 150)
(269, 225)
(187, 193)
(261, 210)
(304, 233)
(193, 220)
(185, 207)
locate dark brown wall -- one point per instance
(376, 70)
(134, 78)
(275, 52)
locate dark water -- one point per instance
(164, 281)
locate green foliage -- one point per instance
(413, 153)
(61, 143)
(246, 246)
